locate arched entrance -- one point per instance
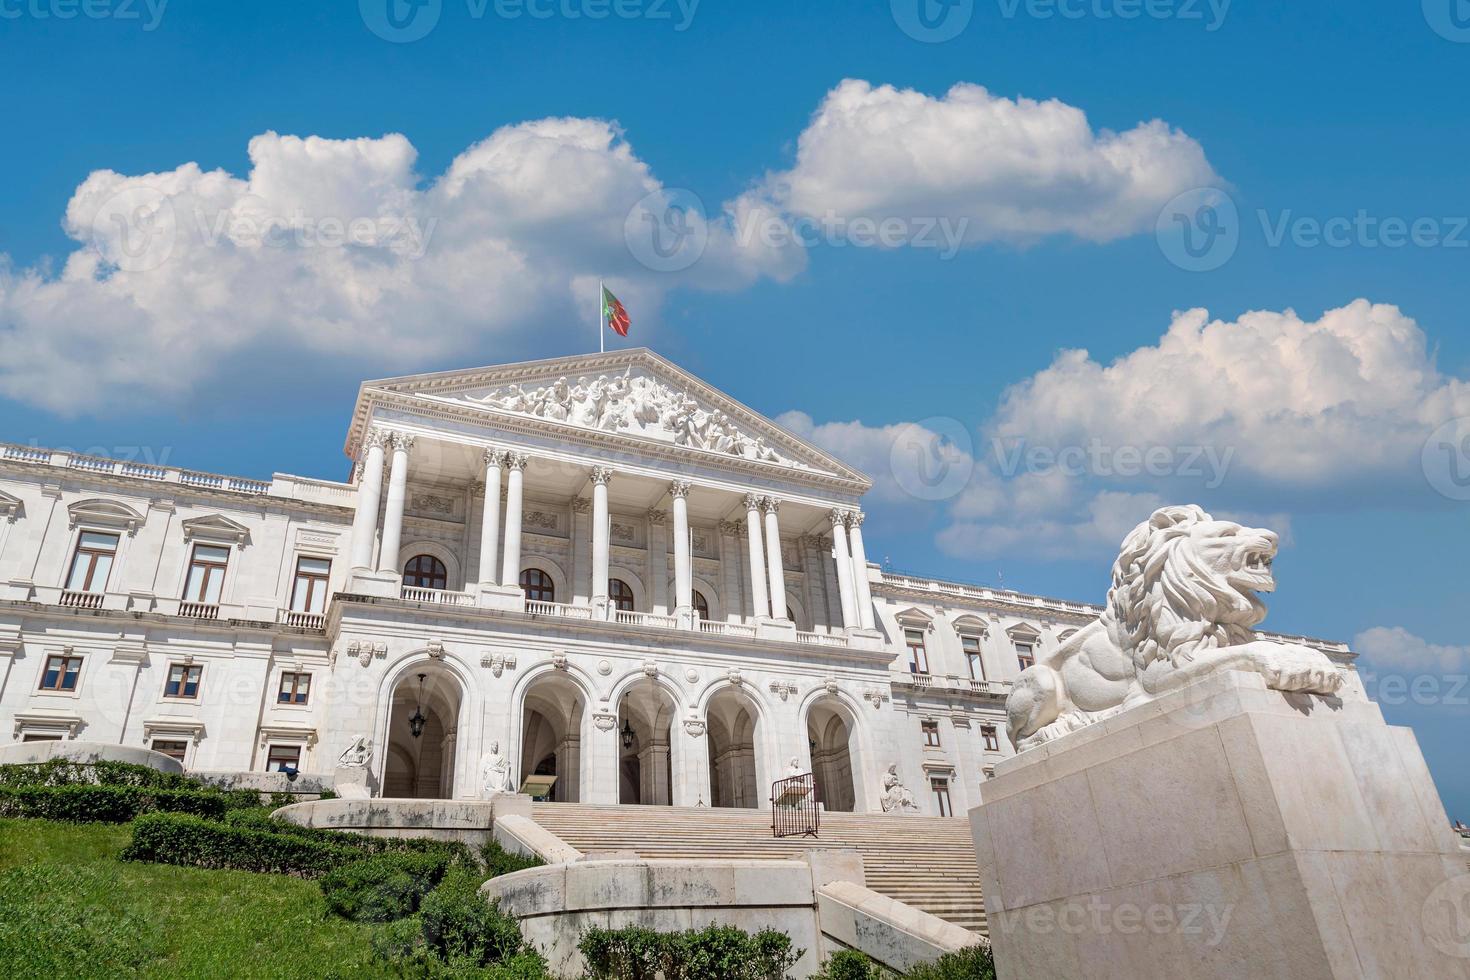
(645, 757)
(423, 726)
(551, 735)
(735, 774)
(830, 734)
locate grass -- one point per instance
(70, 908)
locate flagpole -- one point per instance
(601, 320)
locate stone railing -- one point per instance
(821, 639)
(302, 620)
(925, 682)
(981, 593)
(132, 469)
(81, 600)
(630, 617)
(725, 629)
(199, 610)
(438, 597)
(558, 609)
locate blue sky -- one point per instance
(1300, 115)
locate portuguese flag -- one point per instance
(613, 313)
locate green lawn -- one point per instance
(69, 908)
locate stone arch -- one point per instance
(551, 712)
(741, 769)
(839, 756)
(651, 768)
(452, 565)
(440, 766)
(711, 595)
(797, 611)
(551, 567)
(635, 582)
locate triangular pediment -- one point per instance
(632, 393)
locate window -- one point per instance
(294, 688)
(537, 585)
(620, 593)
(988, 773)
(183, 681)
(991, 736)
(172, 748)
(283, 757)
(309, 594)
(931, 733)
(206, 574)
(41, 738)
(940, 788)
(425, 572)
(971, 646)
(1025, 653)
(701, 605)
(61, 673)
(918, 658)
(92, 563)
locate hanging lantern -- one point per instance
(417, 721)
(627, 734)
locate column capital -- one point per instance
(375, 438)
(494, 457)
(752, 501)
(855, 518)
(581, 505)
(402, 441)
(770, 505)
(658, 517)
(516, 461)
(679, 488)
(839, 517)
(602, 475)
(477, 487)
(733, 528)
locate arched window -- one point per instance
(425, 572)
(620, 593)
(537, 585)
(701, 604)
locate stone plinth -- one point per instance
(1224, 831)
(354, 782)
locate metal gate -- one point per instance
(794, 810)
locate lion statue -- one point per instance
(1183, 605)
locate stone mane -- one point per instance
(635, 404)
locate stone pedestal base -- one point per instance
(509, 598)
(382, 585)
(1224, 831)
(354, 783)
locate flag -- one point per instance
(613, 313)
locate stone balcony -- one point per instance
(145, 603)
(949, 684)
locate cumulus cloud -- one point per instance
(1396, 649)
(1010, 170)
(338, 252)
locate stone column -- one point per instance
(843, 560)
(603, 758)
(658, 562)
(730, 603)
(861, 592)
(692, 783)
(770, 505)
(601, 477)
(760, 604)
(397, 497)
(510, 569)
(490, 529)
(683, 583)
(369, 497)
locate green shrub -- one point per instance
(65, 772)
(849, 964)
(259, 818)
(975, 963)
(498, 861)
(104, 803)
(459, 925)
(715, 953)
(178, 839)
(382, 887)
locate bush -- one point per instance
(975, 963)
(259, 819)
(849, 964)
(382, 887)
(105, 803)
(715, 953)
(459, 925)
(177, 839)
(66, 772)
(498, 861)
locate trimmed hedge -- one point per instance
(167, 838)
(67, 772)
(460, 926)
(106, 803)
(715, 953)
(259, 819)
(498, 861)
(383, 887)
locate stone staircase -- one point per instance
(926, 862)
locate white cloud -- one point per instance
(1010, 170)
(336, 252)
(1396, 649)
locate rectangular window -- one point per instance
(172, 748)
(183, 681)
(942, 805)
(918, 657)
(92, 563)
(991, 736)
(971, 646)
(309, 594)
(283, 757)
(294, 688)
(61, 673)
(931, 733)
(1025, 654)
(41, 738)
(206, 574)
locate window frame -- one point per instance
(297, 688)
(312, 581)
(700, 604)
(918, 653)
(974, 655)
(183, 751)
(939, 790)
(438, 572)
(183, 682)
(80, 549)
(991, 736)
(209, 567)
(276, 751)
(620, 595)
(547, 585)
(1027, 659)
(61, 675)
(930, 729)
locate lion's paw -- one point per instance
(1289, 667)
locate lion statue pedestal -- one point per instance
(1194, 801)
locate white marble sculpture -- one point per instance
(896, 797)
(1183, 605)
(636, 404)
(494, 772)
(794, 769)
(357, 755)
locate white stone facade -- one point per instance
(704, 611)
